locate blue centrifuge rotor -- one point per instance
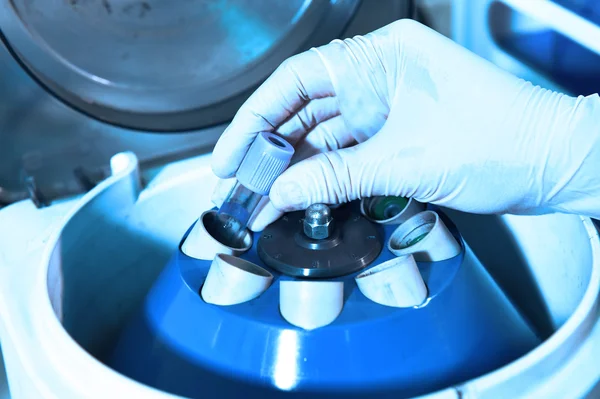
(181, 344)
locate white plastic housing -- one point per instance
(311, 304)
(397, 283)
(424, 236)
(412, 208)
(232, 280)
(200, 244)
(554, 256)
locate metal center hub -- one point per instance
(320, 243)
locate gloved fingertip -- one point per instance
(263, 220)
(220, 172)
(287, 196)
(264, 215)
(223, 169)
(226, 158)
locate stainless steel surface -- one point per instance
(156, 65)
(43, 138)
(226, 230)
(318, 223)
(65, 151)
(352, 245)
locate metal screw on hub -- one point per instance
(324, 246)
(318, 222)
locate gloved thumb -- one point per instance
(331, 178)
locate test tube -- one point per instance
(268, 156)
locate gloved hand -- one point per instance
(432, 121)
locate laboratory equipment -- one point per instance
(268, 156)
(390, 209)
(313, 333)
(201, 245)
(232, 280)
(310, 304)
(151, 83)
(77, 271)
(424, 236)
(328, 247)
(396, 282)
(72, 274)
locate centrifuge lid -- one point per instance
(162, 65)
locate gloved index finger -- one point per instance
(297, 80)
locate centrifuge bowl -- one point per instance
(100, 263)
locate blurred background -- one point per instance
(81, 80)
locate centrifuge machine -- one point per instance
(128, 287)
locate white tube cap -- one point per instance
(311, 304)
(232, 280)
(268, 156)
(200, 244)
(396, 283)
(424, 236)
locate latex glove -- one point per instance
(434, 122)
